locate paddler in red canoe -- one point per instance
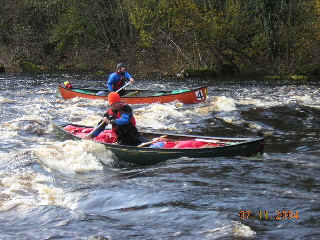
(118, 79)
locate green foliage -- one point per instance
(272, 77)
(68, 31)
(204, 72)
(298, 77)
(2, 68)
(100, 73)
(29, 67)
(280, 36)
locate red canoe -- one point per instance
(142, 96)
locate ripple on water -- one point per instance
(71, 190)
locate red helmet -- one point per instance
(113, 97)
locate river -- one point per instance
(55, 189)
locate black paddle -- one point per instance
(128, 83)
(97, 130)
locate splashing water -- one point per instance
(74, 156)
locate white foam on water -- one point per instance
(252, 101)
(267, 102)
(171, 115)
(73, 111)
(34, 126)
(259, 126)
(86, 102)
(27, 121)
(242, 231)
(75, 108)
(6, 131)
(83, 110)
(235, 229)
(224, 104)
(90, 121)
(159, 116)
(4, 157)
(6, 100)
(217, 104)
(306, 99)
(29, 190)
(224, 108)
(74, 156)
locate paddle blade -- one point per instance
(97, 130)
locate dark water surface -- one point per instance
(53, 189)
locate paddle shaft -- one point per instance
(128, 83)
(98, 129)
(153, 141)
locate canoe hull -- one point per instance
(145, 155)
(192, 96)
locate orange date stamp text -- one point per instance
(277, 215)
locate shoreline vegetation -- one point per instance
(270, 40)
(33, 69)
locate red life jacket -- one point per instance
(127, 134)
(119, 84)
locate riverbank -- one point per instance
(160, 71)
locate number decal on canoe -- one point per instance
(199, 95)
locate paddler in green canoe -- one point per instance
(120, 115)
